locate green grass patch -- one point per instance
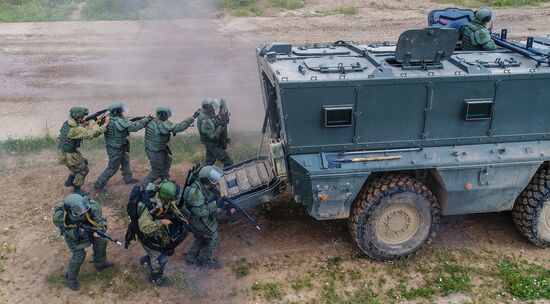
(241, 8)
(287, 4)
(348, 10)
(524, 280)
(242, 268)
(114, 9)
(36, 10)
(29, 145)
(269, 291)
(491, 3)
(301, 283)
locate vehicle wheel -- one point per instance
(393, 217)
(531, 211)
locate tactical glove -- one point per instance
(197, 113)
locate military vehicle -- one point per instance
(392, 137)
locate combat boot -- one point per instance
(69, 181)
(157, 279)
(73, 285)
(98, 187)
(144, 260)
(104, 265)
(78, 190)
(210, 263)
(131, 181)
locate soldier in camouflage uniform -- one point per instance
(76, 210)
(73, 131)
(118, 146)
(201, 208)
(157, 214)
(476, 36)
(157, 135)
(210, 129)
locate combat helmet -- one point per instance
(168, 191)
(117, 108)
(163, 113)
(484, 14)
(211, 174)
(76, 204)
(78, 112)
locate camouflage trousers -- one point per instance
(77, 165)
(157, 260)
(119, 158)
(205, 242)
(160, 162)
(99, 246)
(216, 152)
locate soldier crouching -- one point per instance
(77, 210)
(159, 225)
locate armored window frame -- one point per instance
(478, 109)
(332, 122)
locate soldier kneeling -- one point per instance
(69, 218)
(158, 224)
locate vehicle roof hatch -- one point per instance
(425, 48)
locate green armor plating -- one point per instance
(157, 135)
(65, 143)
(117, 132)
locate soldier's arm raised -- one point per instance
(182, 126)
(140, 124)
(89, 132)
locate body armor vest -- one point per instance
(114, 137)
(468, 40)
(66, 144)
(154, 139)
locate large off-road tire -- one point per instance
(393, 217)
(531, 211)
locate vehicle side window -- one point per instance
(338, 116)
(478, 109)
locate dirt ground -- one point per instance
(47, 67)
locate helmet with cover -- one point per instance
(78, 112)
(168, 191)
(76, 204)
(211, 174)
(484, 14)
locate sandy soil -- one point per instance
(47, 67)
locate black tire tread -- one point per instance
(371, 195)
(529, 204)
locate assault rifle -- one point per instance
(526, 50)
(98, 116)
(137, 118)
(227, 203)
(223, 120)
(99, 232)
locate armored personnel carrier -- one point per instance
(392, 137)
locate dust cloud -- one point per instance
(48, 67)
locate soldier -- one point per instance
(476, 36)
(73, 131)
(157, 135)
(160, 227)
(201, 208)
(77, 210)
(213, 134)
(118, 146)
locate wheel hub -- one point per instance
(397, 224)
(544, 222)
